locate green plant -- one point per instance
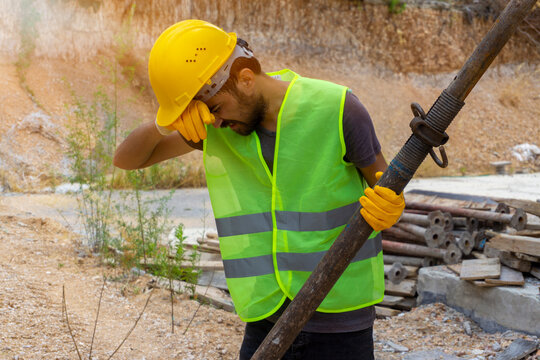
(90, 143)
(142, 223)
(396, 6)
(125, 227)
(191, 272)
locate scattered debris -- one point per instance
(519, 349)
(526, 152)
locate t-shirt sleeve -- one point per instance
(195, 145)
(361, 142)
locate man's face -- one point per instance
(240, 112)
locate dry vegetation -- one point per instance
(413, 56)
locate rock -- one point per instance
(137, 271)
(488, 307)
(396, 347)
(518, 349)
(467, 328)
(430, 355)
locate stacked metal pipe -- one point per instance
(428, 234)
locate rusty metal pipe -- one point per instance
(451, 255)
(464, 241)
(448, 240)
(459, 221)
(434, 218)
(432, 236)
(405, 260)
(398, 233)
(448, 221)
(518, 220)
(395, 272)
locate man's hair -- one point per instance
(240, 63)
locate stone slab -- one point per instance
(430, 355)
(494, 309)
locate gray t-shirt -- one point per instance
(361, 145)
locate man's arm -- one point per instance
(145, 146)
(369, 171)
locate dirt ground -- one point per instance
(39, 259)
(502, 111)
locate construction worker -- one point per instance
(287, 159)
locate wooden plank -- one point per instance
(479, 269)
(479, 255)
(535, 271)
(508, 277)
(405, 288)
(518, 349)
(406, 304)
(508, 259)
(412, 271)
(382, 311)
(455, 268)
(204, 265)
(532, 207)
(521, 244)
(482, 283)
(533, 233)
(204, 248)
(526, 257)
(390, 300)
(208, 294)
(209, 242)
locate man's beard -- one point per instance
(256, 111)
(255, 118)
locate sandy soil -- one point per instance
(39, 258)
(502, 111)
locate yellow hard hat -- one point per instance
(183, 59)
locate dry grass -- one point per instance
(174, 173)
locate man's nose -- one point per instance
(218, 121)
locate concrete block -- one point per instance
(494, 309)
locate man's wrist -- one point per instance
(162, 130)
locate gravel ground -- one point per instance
(39, 257)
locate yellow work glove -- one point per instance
(381, 207)
(191, 122)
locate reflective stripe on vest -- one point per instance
(263, 265)
(286, 220)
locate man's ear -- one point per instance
(246, 81)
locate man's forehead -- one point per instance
(217, 99)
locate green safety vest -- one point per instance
(275, 227)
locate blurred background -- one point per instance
(74, 76)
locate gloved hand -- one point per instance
(191, 122)
(381, 207)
